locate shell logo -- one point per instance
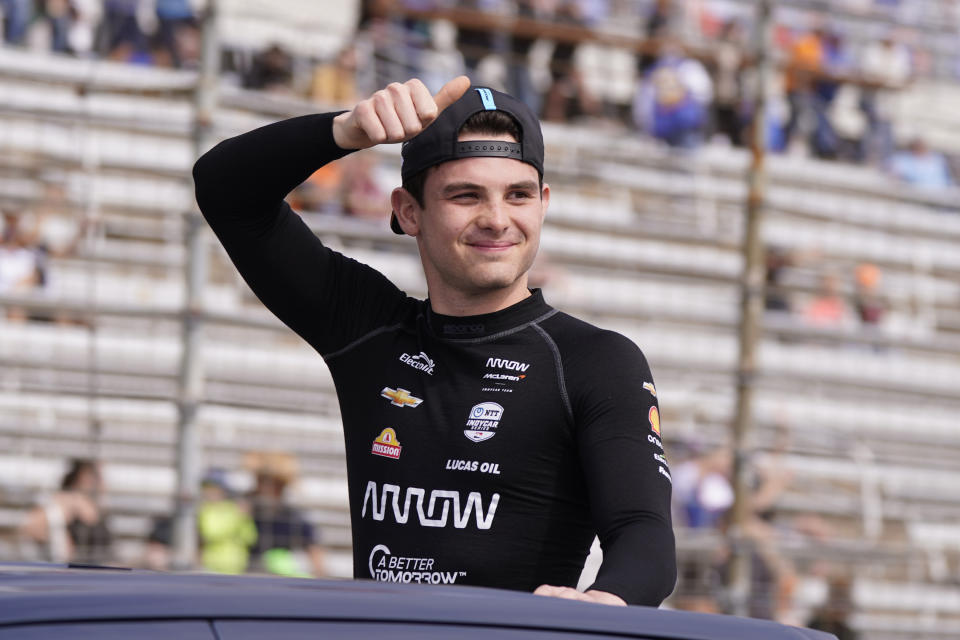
(654, 417)
(386, 445)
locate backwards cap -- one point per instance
(438, 142)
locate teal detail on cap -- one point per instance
(487, 97)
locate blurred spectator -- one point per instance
(702, 492)
(568, 96)
(71, 526)
(271, 70)
(322, 192)
(920, 166)
(834, 615)
(335, 82)
(121, 37)
(657, 28)
(174, 19)
(887, 63)
(828, 308)
(519, 79)
(809, 95)
(868, 298)
(225, 529)
(777, 262)
(474, 43)
(59, 16)
(363, 197)
(672, 101)
(17, 15)
(286, 543)
(21, 264)
(728, 93)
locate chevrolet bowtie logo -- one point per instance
(400, 397)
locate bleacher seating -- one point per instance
(642, 241)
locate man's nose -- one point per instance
(494, 216)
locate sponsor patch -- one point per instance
(433, 510)
(654, 440)
(509, 365)
(665, 474)
(473, 465)
(421, 362)
(654, 417)
(482, 421)
(400, 397)
(386, 444)
(662, 459)
(649, 387)
(386, 567)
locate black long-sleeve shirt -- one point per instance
(484, 450)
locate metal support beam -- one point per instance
(751, 316)
(191, 383)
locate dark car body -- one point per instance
(71, 604)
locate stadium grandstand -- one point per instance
(127, 338)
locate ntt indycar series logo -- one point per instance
(386, 567)
(482, 421)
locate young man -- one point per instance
(489, 437)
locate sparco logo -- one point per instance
(421, 362)
(439, 500)
(512, 365)
(386, 567)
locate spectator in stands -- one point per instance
(886, 63)
(702, 493)
(363, 196)
(475, 43)
(21, 267)
(71, 526)
(834, 615)
(121, 37)
(657, 27)
(286, 543)
(225, 528)
(271, 70)
(921, 166)
(568, 95)
(17, 15)
(519, 79)
(322, 192)
(174, 18)
(868, 299)
(828, 309)
(672, 100)
(809, 94)
(335, 81)
(727, 80)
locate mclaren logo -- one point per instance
(440, 506)
(400, 397)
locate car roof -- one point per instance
(46, 594)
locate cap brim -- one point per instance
(395, 225)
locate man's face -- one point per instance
(479, 228)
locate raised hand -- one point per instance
(394, 114)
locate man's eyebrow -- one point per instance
(462, 186)
(529, 185)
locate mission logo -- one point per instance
(386, 444)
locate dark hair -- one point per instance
(491, 123)
(77, 467)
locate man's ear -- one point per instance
(544, 200)
(407, 210)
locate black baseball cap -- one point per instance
(438, 142)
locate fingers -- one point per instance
(395, 114)
(568, 593)
(451, 92)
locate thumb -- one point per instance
(451, 92)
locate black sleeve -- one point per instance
(628, 479)
(328, 299)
